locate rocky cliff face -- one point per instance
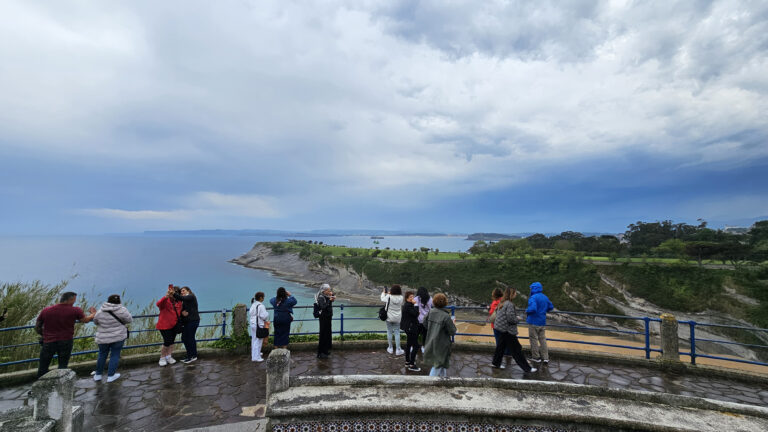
(289, 266)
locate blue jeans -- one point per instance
(188, 337)
(393, 332)
(113, 350)
(438, 372)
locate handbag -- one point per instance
(127, 331)
(383, 311)
(261, 332)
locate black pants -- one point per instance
(411, 347)
(61, 348)
(423, 333)
(324, 341)
(510, 340)
(188, 337)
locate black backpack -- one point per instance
(316, 310)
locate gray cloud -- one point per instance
(404, 102)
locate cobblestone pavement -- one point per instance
(226, 390)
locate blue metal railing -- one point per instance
(645, 334)
(223, 327)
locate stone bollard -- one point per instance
(670, 346)
(52, 396)
(278, 370)
(239, 320)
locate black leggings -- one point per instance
(169, 337)
(411, 347)
(510, 340)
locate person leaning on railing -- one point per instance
(57, 326)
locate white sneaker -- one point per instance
(399, 352)
(259, 360)
(113, 377)
(163, 361)
(389, 350)
(533, 369)
(171, 360)
(96, 377)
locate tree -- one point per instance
(672, 248)
(478, 248)
(539, 241)
(702, 250)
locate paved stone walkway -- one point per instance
(226, 390)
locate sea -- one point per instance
(140, 267)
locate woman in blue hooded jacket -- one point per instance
(283, 305)
(538, 306)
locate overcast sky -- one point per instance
(455, 116)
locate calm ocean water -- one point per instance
(143, 266)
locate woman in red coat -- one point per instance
(170, 310)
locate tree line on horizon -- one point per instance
(664, 239)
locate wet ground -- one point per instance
(226, 390)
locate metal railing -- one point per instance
(644, 335)
(223, 327)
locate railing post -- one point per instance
(670, 351)
(693, 341)
(224, 323)
(453, 317)
(341, 327)
(647, 337)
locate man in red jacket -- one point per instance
(57, 326)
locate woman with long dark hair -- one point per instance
(506, 324)
(191, 320)
(283, 304)
(258, 318)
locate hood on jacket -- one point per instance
(110, 306)
(536, 288)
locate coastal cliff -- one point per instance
(291, 267)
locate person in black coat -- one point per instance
(409, 323)
(191, 320)
(324, 300)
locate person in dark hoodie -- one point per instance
(409, 323)
(538, 306)
(191, 319)
(324, 300)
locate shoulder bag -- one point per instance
(127, 331)
(261, 332)
(383, 311)
(179, 327)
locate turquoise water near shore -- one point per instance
(142, 266)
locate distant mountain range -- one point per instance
(280, 233)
